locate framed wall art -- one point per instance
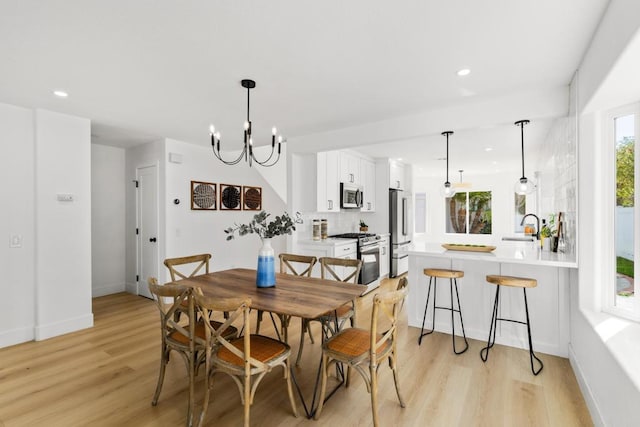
(251, 198)
(230, 197)
(203, 196)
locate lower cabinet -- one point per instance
(385, 251)
(346, 250)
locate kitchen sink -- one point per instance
(519, 239)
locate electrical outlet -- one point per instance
(65, 197)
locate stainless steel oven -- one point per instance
(368, 253)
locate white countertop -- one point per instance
(331, 241)
(521, 253)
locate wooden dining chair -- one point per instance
(402, 284)
(246, 359)
(193, 265)
(298, 265)
(364, 350)
(186, 267)
(177, 336)
(342, 270)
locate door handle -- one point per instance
(153, 240)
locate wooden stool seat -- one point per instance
(517, 282)
(443, 273)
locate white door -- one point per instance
(147, 227)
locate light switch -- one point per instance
(65, 197)
(16, 241)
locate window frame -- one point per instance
(609, 259)
(467, 219)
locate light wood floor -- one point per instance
(106, 376)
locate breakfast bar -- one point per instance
(548, 302)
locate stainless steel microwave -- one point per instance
(350, 196)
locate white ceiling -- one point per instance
(163, 68)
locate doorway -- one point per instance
(147, 230)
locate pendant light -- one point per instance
(447, 190)
(247, 152)
(523, 185)
(461, 184)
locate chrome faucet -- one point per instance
(538, 225)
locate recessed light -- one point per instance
(399, 159)
(488, 149)
(60, 93)
(464, 72)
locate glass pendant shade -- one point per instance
(447, 190)
(524, 186)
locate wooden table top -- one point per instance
(298, 296)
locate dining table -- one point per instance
(297, 296)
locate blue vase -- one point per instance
(266, 276)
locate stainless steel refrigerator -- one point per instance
(400, 228)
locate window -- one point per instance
(468, 213)
(421, 213)
(622, 298)
(520, 204)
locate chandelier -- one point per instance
(247, 151)
(461, 184)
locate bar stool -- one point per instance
(516, 282)
(452, 275)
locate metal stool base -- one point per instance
(451, 309)
(484, 353)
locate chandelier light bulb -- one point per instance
(218, 135)
(251, 141)
(246, 125)
(279, 139)
(212, 129)
(524, 186)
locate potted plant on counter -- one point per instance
(284, 224)
(363, 226)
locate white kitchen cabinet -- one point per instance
(396, 175)
(328, 186)
(345, 249)
(349, 168)
(368, 174)
(385, 250)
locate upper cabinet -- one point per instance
(350, 168)
(368, 174)
(328, 186)
(396, 176)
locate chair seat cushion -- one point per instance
(262, 348)
(354, 342)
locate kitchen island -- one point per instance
(548, 302)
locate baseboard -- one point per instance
(43, 332)
(131, 288)
(16, 336)
(596, 417)
(107, 290)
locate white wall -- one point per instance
(604, 349)
(17, 183)
(107, 220)
(63, 229)
(191, 231)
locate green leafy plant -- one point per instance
(549, 229)
(282, 224)
(363, 224)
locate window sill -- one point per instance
(621, 337)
